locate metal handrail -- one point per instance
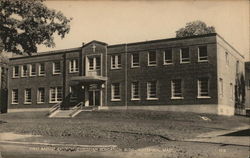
(76, 108)
(55, 107)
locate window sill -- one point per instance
(185, 62)
(202, 61)
(41, 75)
(175, 98)
(132, 67)
(24, 76)
(32, 76)
(152, 65)
(53, 102)
(203, 97)
(16, 77)
(135, 99)
(116, 68)
(14, 103)
(115, 100)
(72, 72)
(56, 73)
(27, 103)
(168, 63)
(40, 102)
(152, 98)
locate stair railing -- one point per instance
(76, 108)
(55, 107)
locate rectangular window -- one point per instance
(185, 58)
(40, 95)
(248, 84)
(202, 51)
(135, 60)
(94, 63)
(24, 70)
(203, 87)
(135, 92)
(32, 69)
(168, 56)
(221, 87)
(151, 90)
(115, 61)
(115, 92)
(55, 94)
(57, 67)
(16, 71)
(152, 58)
(227, 58)
(14, 98)
(27, 96)
(73, 66)
(232, 91)
(176, 88)
(41, 69)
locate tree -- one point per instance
(25, 24)
(194, 28)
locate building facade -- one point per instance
(247, 77)
(184, 74)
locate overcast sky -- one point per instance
(116, 22)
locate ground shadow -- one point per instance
(245, 132)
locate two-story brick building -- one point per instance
(184, 74)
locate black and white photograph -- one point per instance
(124, 79)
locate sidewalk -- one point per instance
(27, 110)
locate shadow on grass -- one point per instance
(245, 132)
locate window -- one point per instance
(41, 69)
(16, 71)
(221, 87)
(73, 65)
(152, 58)
(248, 84)
(27, 96)
(57, 67)
(14, 98)
(176, 87)
(232, 91)
(168, 56)
(115, 61)
(185, 55)
(24, 70)
(227, 58)
(202, 51)
(151, 90)
(55, 94)
(94, 63)
(40, 95)
(237, 66)
(135, 94)
(32, 69)
(115, 92)
(203, 88)
(135, 60)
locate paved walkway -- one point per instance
(27, 110)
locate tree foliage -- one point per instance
(25, 24)
(240, 91)
(194, 28)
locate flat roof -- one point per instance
(124, 44)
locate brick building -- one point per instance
(247, 74)
(186, 74)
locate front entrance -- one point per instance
(94, 98)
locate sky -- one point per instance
(116, 22)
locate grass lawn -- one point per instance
(124, 128)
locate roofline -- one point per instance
(230, 46)
(48, 53)
(164, 40)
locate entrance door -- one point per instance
(94, 98)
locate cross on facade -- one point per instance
(94, 47)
